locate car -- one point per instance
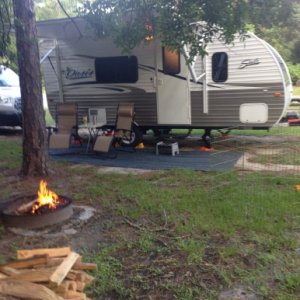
(10, 98)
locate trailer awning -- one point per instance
(63, 29)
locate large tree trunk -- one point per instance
(35, 154)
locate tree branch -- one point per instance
(69, 17)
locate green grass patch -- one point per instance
(296, 90)
(48, 118)
(274, 131)
(107, 278)
(11, 154)
(243, 223)
(198, 203)
(193, 248)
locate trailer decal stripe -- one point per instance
(144, 67)
(94, 82)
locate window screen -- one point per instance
(116, 69)
(219, 67)
(171, 61)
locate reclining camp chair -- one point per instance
(66, 126)
(122, 133)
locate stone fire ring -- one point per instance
(11, 219)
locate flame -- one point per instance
(45, 197)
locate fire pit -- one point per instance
(39, 211)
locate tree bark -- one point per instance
(35, 148)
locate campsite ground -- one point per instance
(172, 234)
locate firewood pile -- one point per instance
(45, 274)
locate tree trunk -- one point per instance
(35, 150)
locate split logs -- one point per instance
(51, 252)
(27, 263)
(46, 274)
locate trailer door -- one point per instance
(173, 95)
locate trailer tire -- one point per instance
(136, 137)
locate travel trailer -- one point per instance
(242, 85)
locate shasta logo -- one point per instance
(249, 62)
(73, 74)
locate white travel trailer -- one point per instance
(242, 85)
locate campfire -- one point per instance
(46, 200)
(45, 197)
(44, 209)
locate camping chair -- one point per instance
(66, 130)
(122, 133)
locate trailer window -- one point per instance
(171, 61)
(219, 67)
(117, 69)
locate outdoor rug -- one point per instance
(147, 159)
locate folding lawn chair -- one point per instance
(66, 130)
(122, 133)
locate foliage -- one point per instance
(44, 9)
(296, 52)
(280, 37)
(294, 72)
(175, 23)
(10, 56)
(6, 38)
(130, 21)
(49, 9)
(284, 33)
(264, 14)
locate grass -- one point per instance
(49, 119)
(296, 90)
(274, 131)
(187, 235)
(10, 154)
(192, 207)
(235, 226)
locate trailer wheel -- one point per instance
(136, 137)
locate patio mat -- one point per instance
(147, 159)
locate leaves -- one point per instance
(174, 22)
(5, 25)
(49, 9)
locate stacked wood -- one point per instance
(45, 274)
